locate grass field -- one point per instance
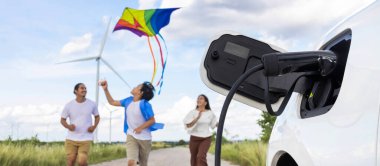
(246, 153)
(34, 153)
(53, 154)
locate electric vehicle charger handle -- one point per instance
(276, 64)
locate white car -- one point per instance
(331, 118)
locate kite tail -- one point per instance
(162, 58)
(154, 60)
(164, 66)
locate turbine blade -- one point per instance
(104, 38)
(78, 60)
(109, 66)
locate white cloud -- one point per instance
(279, 42)
(77, 44)
(241, 119)
(5, 112)
(25, 121)
(148, 4)
(290, 21)
(23, 113)
(176, 3)
(177, 112)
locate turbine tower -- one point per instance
(110, 121)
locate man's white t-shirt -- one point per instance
(202, 127)
(80, 115)
(136, 119)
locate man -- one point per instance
(80, 134)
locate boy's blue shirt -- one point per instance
(146, 111)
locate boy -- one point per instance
(138, 121)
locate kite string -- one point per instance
(154, 60)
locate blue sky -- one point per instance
(36, 34)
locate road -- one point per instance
(177, 156)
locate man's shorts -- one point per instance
(138, 150)
(80, 149)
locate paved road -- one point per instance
(177, 156)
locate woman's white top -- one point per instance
(202, 127)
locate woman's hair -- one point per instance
(148, 91)
(76, 87)
(206, 99)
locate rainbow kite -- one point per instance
(147, 23)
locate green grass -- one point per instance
(106, 152)
(53, 154)
(35, 153)
(32, 152)
(245, 153)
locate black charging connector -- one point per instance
(276, 64)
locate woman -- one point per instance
(198, 123)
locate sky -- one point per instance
(35, 35)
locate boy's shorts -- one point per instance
(79, 148)
(138, 150)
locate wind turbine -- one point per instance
(110, 121)
(99, 58)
